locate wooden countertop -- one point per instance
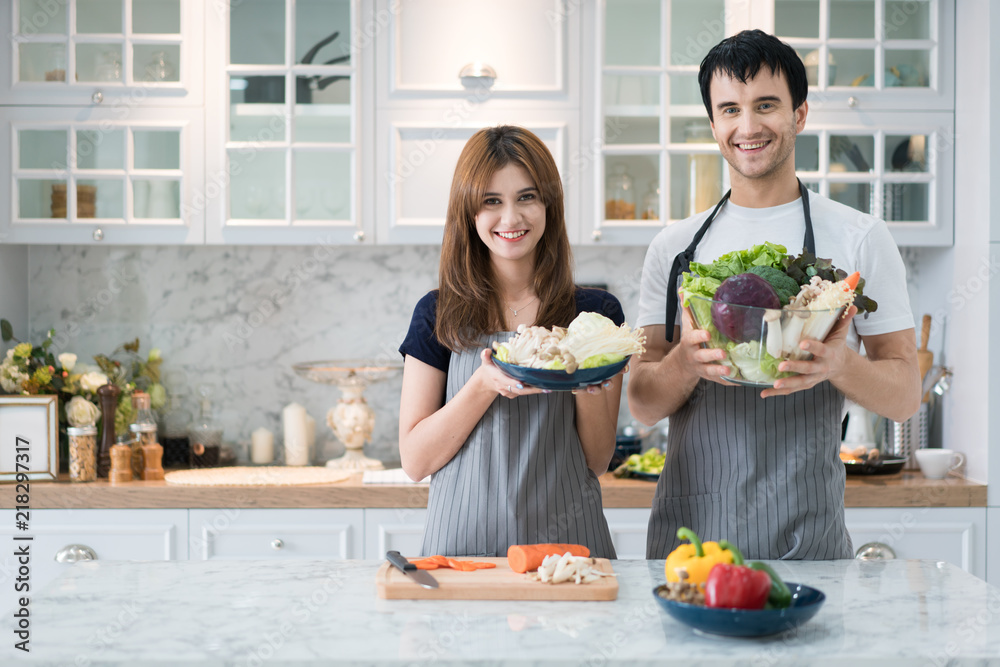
(907, 489)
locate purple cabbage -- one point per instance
(744, 289)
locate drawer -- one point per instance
(233, 533)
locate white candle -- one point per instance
(296, 445)
(311, 436)
(261, 446)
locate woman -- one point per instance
(510, 464)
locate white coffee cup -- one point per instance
(937, 463)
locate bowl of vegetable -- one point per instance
(759, 305)
(589, 351)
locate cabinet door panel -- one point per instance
(628, 532)
(400, 529)
(112, 535)
(234, 533)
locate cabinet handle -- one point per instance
(74, 553)
(359, 236)
(277, 544)
(477, 74)
(97, 97)
(98, 234)
(875, 551)
(597, 234)
(852, 101)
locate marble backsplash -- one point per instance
(238, 317)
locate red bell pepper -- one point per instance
(736, 586)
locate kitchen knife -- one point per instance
(409, 569)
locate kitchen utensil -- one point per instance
(925, 358)
(556, 380)
(271, 89)
(410, 570)
(937, 463)
(860, 428)
(934, 375)
(499, 583)
(108, 396)
(806, 601)
(877, 467)
(901, 439)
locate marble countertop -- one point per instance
(905, 489)
(310, 612)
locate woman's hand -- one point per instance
(495, 380)
(601, 387)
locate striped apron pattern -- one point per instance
(764, 474)
(520, 478)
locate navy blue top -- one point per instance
(422, 344)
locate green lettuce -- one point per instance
(595, 360)
(753, 362)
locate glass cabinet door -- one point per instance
(291, 97)
(659, 162)
(83, 51)
(877, 54)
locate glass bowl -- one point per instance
(749, 335)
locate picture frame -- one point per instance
(29, 425)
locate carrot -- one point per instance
(527, 557)
(435, 562)
(852, 280)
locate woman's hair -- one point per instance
(741, 57)
(469, 302)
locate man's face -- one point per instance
(755, 124)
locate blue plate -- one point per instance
(806, 601)
(560, 380)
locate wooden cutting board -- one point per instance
(500, 583)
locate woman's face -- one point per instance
(511, 218)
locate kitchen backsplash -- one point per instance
(239, 317)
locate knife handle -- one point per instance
(399, 561)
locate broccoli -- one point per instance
(783, 284)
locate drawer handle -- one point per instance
(74, 553)
(875, 551)
(277, 545)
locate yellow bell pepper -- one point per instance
(696, 559)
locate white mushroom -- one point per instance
(772, 317)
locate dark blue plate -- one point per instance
(560, 380)
(649, 476)
(806, 601)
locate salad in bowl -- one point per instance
(759, 304)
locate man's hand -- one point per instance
(829, 359)
(695, 359)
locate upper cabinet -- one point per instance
(287, 82)
(118, 53)
(879, 136)
(447, 69)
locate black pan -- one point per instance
(880, 467)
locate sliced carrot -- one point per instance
(527, 557)
(424, 565)
(852, 280)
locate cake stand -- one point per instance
(351, 419)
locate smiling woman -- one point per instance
(485, 437)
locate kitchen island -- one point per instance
(886, 613)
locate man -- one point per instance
(762, 468)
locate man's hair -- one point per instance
(741, 57)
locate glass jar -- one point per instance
(174, 438)
(205, 434)
(704, 171)
(57, 63)
(160, 68)
(143, 429)
(619, 199)
(109, 66)
(651, 202)
(82, 453)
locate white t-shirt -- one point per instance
(854, 241)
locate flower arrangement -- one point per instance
(29, 369)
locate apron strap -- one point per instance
(682, 261)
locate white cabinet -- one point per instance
(290, 122)
(397, 529)
(628, 531)
(236, 533)
(106, 535)
(993, 545)
(446, 70)
(122, 55)
(953, 534)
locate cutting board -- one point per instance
(500, 583)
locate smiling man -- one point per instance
(762, 468)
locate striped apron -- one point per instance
(764, 474)
(520, 478)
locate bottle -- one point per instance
(143, 428)
(704, 171)
(175, 441)
(205, 434)
(651, 202)
(619, 200)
